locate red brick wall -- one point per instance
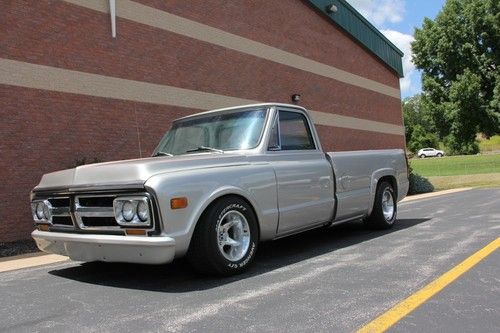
(44, 131)
(147, 54)
(342, 139)
(291, 25)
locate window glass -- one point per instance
(224, 131)
(294, 131)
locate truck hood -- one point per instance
(134, 172)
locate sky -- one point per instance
(397, 20)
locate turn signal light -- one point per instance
(178, 203)
(43, 227)
(136, 232)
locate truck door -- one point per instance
(304, 175)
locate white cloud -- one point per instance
(380, 11)
(403, 42)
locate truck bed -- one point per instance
(357, 173)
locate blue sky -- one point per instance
(397, 20)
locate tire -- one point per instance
(225, 239)
(384, 210)
(439, 155)
(422, 156)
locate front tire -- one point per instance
(384, 210)
(439, 155)
(225, 239)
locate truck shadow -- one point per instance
(178, 277)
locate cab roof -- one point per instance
(246, 106)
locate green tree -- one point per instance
(459, 54)
(419, 124)
(421, 138)
(465, 95)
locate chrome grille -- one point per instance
(62, 221)
(60, 202)
(95, 212)
(99, 221)
(89, 212)
(60, 211)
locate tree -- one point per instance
(419, 125)
(459, 54)
(421, 138)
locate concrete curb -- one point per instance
(29, 260)
(22, 256)
(435, 194)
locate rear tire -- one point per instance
(422, 156)
(225, 239)
(384, 210)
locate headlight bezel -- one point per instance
(46, 211)
(136, 221)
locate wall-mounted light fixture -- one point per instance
(295, 98)
(331, 9)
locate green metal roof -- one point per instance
(363, 31)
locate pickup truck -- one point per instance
(218, 183)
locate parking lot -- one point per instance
(334, 280)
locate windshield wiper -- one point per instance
(203, 148)
(162, 153)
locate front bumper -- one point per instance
(85, 247)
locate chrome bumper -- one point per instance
(85, 247)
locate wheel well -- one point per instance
(391, 180)
(232, 195)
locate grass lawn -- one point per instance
(456, 165)
(476, 180)
(491, 145)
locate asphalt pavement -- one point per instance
(328, 280)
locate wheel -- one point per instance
(225, 239)
(384, 210)
(422, 156)
(439, 155)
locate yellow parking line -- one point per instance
(11, 265)
(393, 315)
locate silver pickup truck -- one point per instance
(218, 183)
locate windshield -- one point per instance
(217, 132)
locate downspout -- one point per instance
(112, 12)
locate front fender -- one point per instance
(255, 183)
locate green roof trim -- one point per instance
(350, 20)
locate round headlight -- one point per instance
(39, 210)
(128, 211)
(46, 212)
(142, 211)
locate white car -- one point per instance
(430, 152)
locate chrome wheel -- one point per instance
(387, 204)
(233, 235)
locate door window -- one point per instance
(294, 130)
